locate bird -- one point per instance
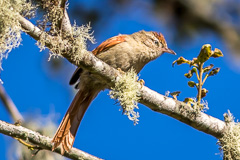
(120, 52)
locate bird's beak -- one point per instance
(167, 50)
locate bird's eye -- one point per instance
(156, 43)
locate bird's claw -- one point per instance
(120, 70)
(142, 82)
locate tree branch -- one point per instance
(9, 105)
(182, 112)
(65, 25)
(40, 140)
(151, 99)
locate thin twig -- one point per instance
(199, 96)
(205, 78)
(30, 146)
(9, 105)
(197, 75)
(64, 23)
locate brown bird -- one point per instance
(122, 51)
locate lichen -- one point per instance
(52, 16)
(41, 43)
(77, 43)
(230, 141)
(10, 29)
(126, 92)
(56, 43)
(81, 35)
(202, 107)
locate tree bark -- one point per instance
(41, 141)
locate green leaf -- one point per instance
(217, 53)
(181, 60)
(191, 84)
(208, 68)
(194, 70)
(191, 72)
(194, 62)
(205, 53)
(214, 71)
(188, 75)
(187, 100)
(175, 94)
(204, 92)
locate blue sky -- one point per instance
(104, 131)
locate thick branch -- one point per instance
(182, 112)
(89, 62)
(40, 140)
(151, 99)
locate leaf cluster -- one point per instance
(201, 72)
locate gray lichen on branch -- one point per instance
(10, 28)
(40, 140)
(230, 141)
(126, 93)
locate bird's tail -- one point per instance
(65, 135)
